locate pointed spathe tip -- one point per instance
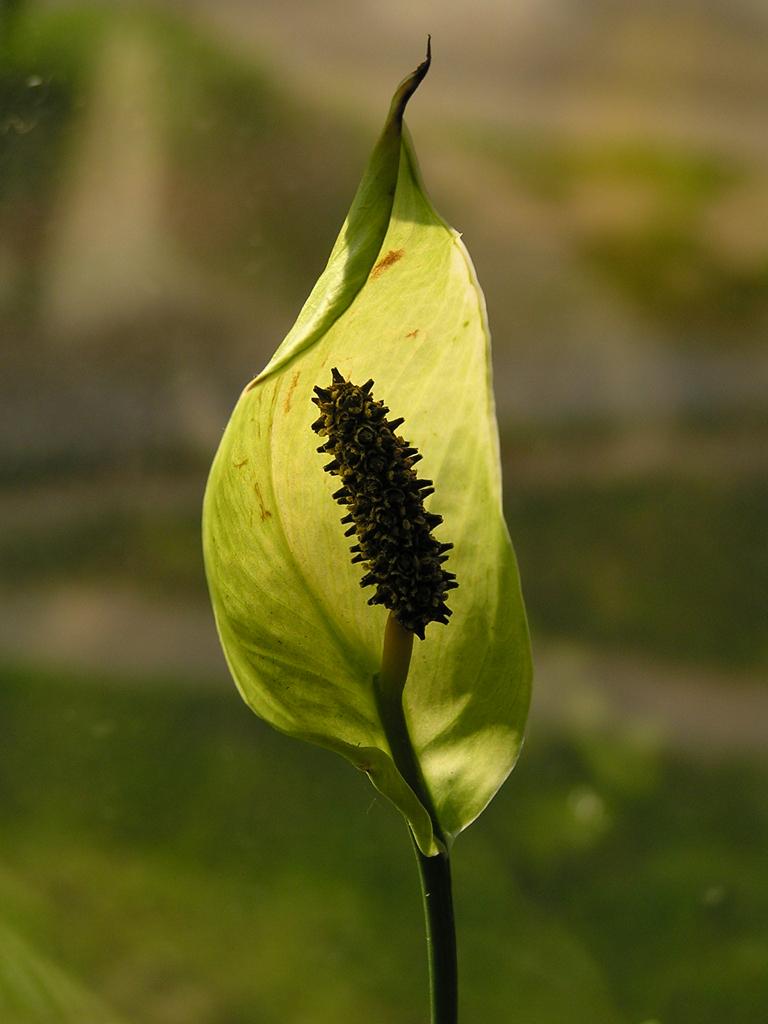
(408, 86)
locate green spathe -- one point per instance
(398, 302)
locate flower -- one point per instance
(398, 303)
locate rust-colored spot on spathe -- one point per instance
(263, 510)
(412, 334)
(289, 393)
(387, 261)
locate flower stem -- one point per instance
(435, 876)
(434, 872)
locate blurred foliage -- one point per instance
(672, 274)
(149, 814)
(554, 170)
(35, 991)
(664, 566)
(239, 149)
(639, 214)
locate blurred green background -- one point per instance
(172, 178)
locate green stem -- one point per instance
(434, 872)
(435, 876)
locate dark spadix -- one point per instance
(384, 501)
